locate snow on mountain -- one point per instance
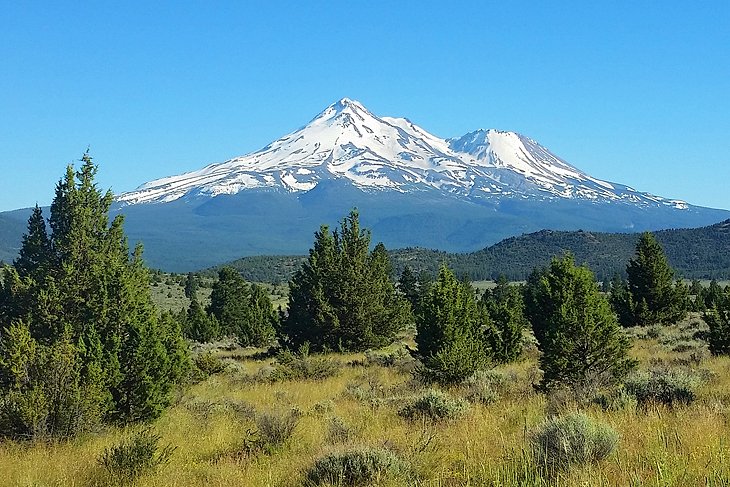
(346, 141)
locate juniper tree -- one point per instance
(655, 297)
(449, 336)
(717, 318)
(35, 251)
(505, 307)
(582, 346)
(89, 307)
(342, 297)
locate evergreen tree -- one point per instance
(229, 302)
(343, 297)
(505, 307)
(191, 286)
(259, 330)
(35, 251)
(582, 345)
(199, 325)
(449, 331)
(718, 319)
(656, 299)
(89, 310)
(408, 287)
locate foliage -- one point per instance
(505, 306)
(302, 366)
(695, 253)
(243, 311)
(435, 404)
(408, 286)
(449, 331)
(209, 364)
(668, 386)
(354, 467)
(85, 305)
(200, 326)
(653, 297)
(275, 428)
(572, 440)
(135, 456)
(582, 345)
(718, 319)
(342, 297)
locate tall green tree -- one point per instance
(243, 311)
(343, 297)
(505, 306)
(582, 345)
(717, 318)
(191, 286)
(408, 286)
(89, 311)
(449, 331)
(35, 251)
(655, 297)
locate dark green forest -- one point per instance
(696, 253)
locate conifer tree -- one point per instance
(449, 331)
(259, 330)
(583, 347)
(229, 302)
(505, 307)
(343, 297)
(89, 310)
(199, 325)
(717, 318)
(656, 299)
(35, 251)
(408, 286)
(191, 286)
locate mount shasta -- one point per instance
(412, 189)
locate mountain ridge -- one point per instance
(347, 141)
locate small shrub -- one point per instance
(392, 358)
(436, 405)
(209, 364)
(355, 467)
(302, 366)
(338, 431)
(654, 331)
(619, 400)
(572, 440)
(275, 428)
(135, 456)
(663, 386)
(323, 407)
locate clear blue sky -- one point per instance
(633, 92)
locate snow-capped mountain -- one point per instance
(346, 142)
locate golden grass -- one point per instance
(684, 446)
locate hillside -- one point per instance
(702, 253)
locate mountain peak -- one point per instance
(348, 143)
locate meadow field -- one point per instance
(260, 423)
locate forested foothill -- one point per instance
(358, 371)
(694, 253)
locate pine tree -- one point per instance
(656, 300)
(343, 297)
(583, 347)
(449, 326)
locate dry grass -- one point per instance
(683, 446)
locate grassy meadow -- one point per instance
(216, 423)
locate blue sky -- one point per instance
(633, 92)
